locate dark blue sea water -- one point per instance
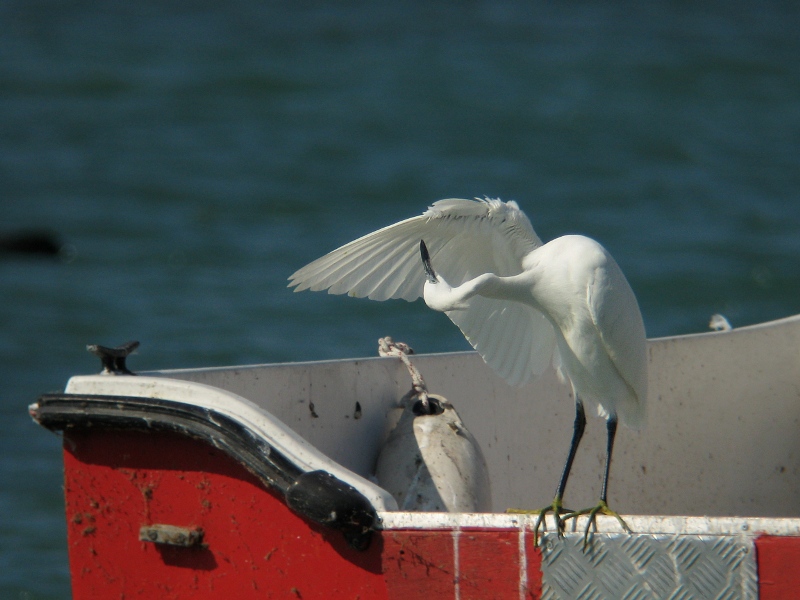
(191, 155)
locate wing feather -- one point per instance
(465, 238)
(618, 321)
(393, 249)
(392, 271)
(386, 266)
(514, 339)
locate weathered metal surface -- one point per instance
(721, 437)
(649, 566)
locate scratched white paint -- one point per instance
(456, 534)
(523, 562)
(640, 524)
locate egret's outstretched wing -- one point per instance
(617, 318)
(514, 339)
(465, 238)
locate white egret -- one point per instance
(520, 303)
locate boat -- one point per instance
(258, 481)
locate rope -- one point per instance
(388, 347)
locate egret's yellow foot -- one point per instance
(554, 508)
(600, 509)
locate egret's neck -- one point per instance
(516, 288)
(442, 297)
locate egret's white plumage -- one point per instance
(520, 303)
(516, 300)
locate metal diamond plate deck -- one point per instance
(644, 567)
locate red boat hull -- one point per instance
(254, 546)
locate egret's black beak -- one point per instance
(426, 262)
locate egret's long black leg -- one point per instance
(556, 507)
(578, 428)
(611, 428)
(602, 506)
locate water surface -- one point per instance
(192, 156)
